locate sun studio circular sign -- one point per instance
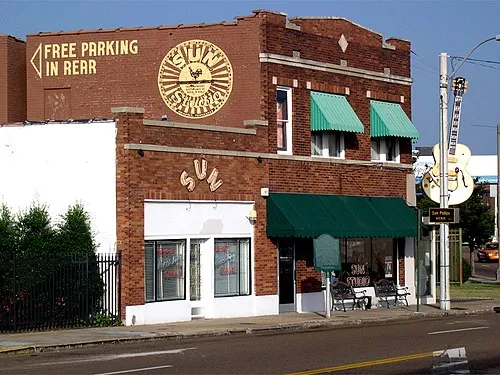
(195, 79)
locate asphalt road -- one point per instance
(468, 344)
(484, 270)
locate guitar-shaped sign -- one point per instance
(460, 183)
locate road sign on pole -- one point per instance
(444, 215)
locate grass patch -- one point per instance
(471, 289)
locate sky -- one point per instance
(433, 27)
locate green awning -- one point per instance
(310, 215)
(333, 112)
(389, 120)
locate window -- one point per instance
(385, 149)
(284, 120)
(383, 258)
(232, 267)
(392, 149)
(165, 270)
(375, 148)
(366, 260)
(327, 144)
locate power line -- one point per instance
(476, 62)
(423, 61)
(486, 66)
(424, 69)
(480, 60)
(483, 126)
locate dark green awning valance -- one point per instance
(310, 215)
(333, 112)
(389, 120)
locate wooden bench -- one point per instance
(385, 290)
(342, 292)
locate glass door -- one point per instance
(195, 271)
(286, 271)
(197, 267)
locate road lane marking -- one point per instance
(456, 330)
(451, 364)
(365, 364)
(110, 357)
(144, 354)
(451, 361)
(134, 370)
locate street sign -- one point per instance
(443, 215)
(327, 253)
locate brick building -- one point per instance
(12, 79)
(237, 144)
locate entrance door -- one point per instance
(196, 276)
(286, 276)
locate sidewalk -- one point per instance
(51, 340)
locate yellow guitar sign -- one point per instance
(460, 183)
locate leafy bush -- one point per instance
(101, 320)
(75, 240)
(8, 239)
(466, 270)
(48, 271)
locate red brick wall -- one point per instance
(358, 145)
(132, 79)
(307, 279)
(318, 40)
(12, 79)
(3, 78)
(129, 215)
(156, 175)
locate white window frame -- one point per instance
(288, 126)
(156, 276)
(325, 147)
(243, 265)
(383, 143)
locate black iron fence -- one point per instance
(59, 291)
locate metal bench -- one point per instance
(385, 290)
(342, 292)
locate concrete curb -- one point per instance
(288, 327)
(485, 281)
(27, 349)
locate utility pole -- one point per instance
(444, 276)
(444, 243)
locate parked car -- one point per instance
(488, 252)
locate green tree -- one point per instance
(8, 233)
(476, 218)
(74, 232)
(35, 245)
(8, 241)
(77, 247)
(49, 271)
(424, 202)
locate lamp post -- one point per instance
(444, 79)
(444, 267)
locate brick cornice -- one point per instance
(262, 155)
(272, 58)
